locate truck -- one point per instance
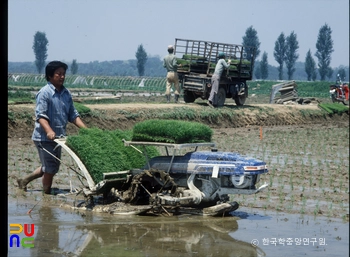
(196, 61)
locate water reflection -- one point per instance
(47, 234)
(139, 236)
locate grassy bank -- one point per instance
(25, 86)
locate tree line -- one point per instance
(285, 54)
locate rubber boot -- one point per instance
(176, 99)
(168, 98)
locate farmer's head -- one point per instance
(51, 68)
(170, 49)
(221, 55)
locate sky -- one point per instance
(107, 30)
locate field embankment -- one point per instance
(124, 116)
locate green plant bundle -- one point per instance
(334, 108)
(171, 131)
(193, 57)
(103, 151)
(82, 109)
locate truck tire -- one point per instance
(189, 97)
(221, 97)
(240, 99)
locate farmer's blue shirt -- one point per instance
(56, 107)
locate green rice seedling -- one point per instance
(279, 180)
(302, 211)
(317, 208)
(104, 151)
(171, 131)
(292, 199)
(311, 169)
(310, 183)
(270, 181)
(345, 217)
(281, 197)
(273, 170)
(291, 181)
(333, 108)
(330, 207)
(340, 185)
(321, 181)
(268, 196)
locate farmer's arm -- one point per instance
(79, 123)
(44, 123)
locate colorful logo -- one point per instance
(27, 241)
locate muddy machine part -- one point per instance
(204, 179)
(197, 182)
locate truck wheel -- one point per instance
(189, 97)
(221, 97)
(240, 100)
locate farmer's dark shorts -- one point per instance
(49, 163)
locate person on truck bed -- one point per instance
(215, 79)
(169, 62)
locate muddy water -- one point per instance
(248, 232)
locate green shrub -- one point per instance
(103, 151)
(171, 131)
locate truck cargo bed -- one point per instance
(196, 56)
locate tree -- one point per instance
(141, 57)
(329, 72)
(74, 67)
(40, 50)
(251, 40)
(291, 55)
(310, 67)
(279, 54)
(342, 74)
(257, 70)
(264, 66)
(324, 48)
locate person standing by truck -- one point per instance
(170, 63)
(215, 79)
(54, 109)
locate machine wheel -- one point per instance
(221, 97)
(189, 97)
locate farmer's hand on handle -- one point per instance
(51, 135)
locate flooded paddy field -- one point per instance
(304, 211)
(248, 232)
